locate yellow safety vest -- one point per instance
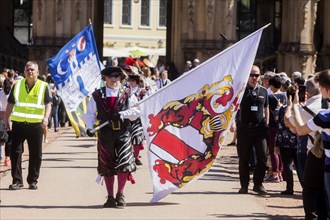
(29, 107)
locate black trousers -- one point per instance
(32, 132)
(288, 155)
(246, 139)
(314, 198)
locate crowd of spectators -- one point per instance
(292, 112)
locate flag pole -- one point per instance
(99, 127)
(209, 60)
(90, 21)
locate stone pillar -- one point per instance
(296, 51)
(325, 51)
(55, 22)
(204, 33)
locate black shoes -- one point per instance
(287, 192)
(138, 162)
(16, 186)
(260, 190)
(110, 203)
(243, 190)
(120, 200)
(33, 186)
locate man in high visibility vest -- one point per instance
(29, 106)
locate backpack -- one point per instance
(276, 112)
(318, 148)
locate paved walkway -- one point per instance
(67, 190)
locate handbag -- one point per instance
(3, 132)
(3, 137)
(318, 148)
(56, 99)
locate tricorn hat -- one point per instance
(134, 77)
(113, 69)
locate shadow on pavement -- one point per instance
(67, 159)
(69, 167)
(52, 207)
(252, 216)
(73, 153)
(205, 193)
(136, 204)
(83, 145)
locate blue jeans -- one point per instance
(301, 156)
(54, 116)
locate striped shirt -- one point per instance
(322, 122)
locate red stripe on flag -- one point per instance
(173, 145)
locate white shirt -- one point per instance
(3, 100)
(161, 82)
(269, 91)
(132, 113)
(151, 84)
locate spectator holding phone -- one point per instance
(310, 167)
(301, 140)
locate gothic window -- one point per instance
(22, 24)
(126, 12)
(145, 12)
(246, 18)
(162, 13)
(108, 11)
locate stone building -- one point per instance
(37, 29)
(297, 40)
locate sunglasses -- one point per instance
(114, 75)
(254, 75)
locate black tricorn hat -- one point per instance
(134, 77)
(112, 69)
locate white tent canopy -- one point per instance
(133, 51)
(159, 52)
(110, 52)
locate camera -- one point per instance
(302, 93)
(291, 93)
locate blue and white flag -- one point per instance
(76, 69)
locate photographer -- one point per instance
(301, 140)
(310, 171)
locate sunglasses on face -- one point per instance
(114, 75)
(254, 75)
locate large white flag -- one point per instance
(186, 122)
